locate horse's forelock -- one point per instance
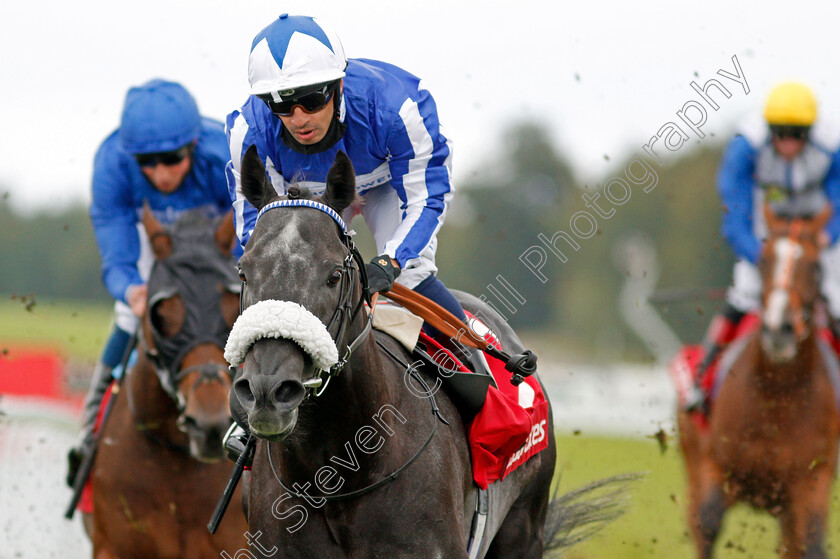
(297, 192)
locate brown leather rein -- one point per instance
(521, 365)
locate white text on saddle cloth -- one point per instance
(537, 436)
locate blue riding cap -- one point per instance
(158, 116)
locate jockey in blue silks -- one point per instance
(307, 102)
(164, 153)
(790, 161)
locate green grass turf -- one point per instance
(654, 525)
(76, 329)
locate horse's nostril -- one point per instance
(289, 392)
(242, 389)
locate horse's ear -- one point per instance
(255, 185)
(159, 238)
(341, 183)
(225, 234)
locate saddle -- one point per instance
(507, 422)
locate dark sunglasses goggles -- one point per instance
(167, 158)
(793, 132)
(311, 99)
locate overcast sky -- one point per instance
(602, 76)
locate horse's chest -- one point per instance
(767, 442)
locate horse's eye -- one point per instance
(241, 275)
(335, 277)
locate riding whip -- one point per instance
(233, 481)
(86, 467)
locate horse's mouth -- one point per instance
(272, 426)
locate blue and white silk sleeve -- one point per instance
(240, 136)
(420, 163)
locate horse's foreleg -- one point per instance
(803, 523)
(707, 519)
(706, 501)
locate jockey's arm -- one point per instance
(114, 220)
(832, 192)
(241, 134)
(736, 185)
(420, 164)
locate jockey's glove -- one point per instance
(381, 274)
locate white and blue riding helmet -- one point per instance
(158, 116)
(294, 52)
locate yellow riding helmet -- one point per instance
(791, 104)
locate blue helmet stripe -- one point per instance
(280, 33)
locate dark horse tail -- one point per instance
(580, 514)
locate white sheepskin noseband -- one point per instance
(281, 319)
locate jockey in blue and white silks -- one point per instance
(392, 136)
(388, 126)
(791, 162)
(164, 154)
(308, 102)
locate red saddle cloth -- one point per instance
(512, 425)
(683, 368)
(85, 504)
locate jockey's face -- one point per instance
(309, 128)
(788, 148)
(167, 178)
(788, 141)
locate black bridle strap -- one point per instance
(346, 314)
(393, 475)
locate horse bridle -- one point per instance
(345, 313)
(170, 378)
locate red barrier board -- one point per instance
(32, 372)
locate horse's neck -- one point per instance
(151, 406)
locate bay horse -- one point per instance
(159, 467)
(772, 435)
(355, 464)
